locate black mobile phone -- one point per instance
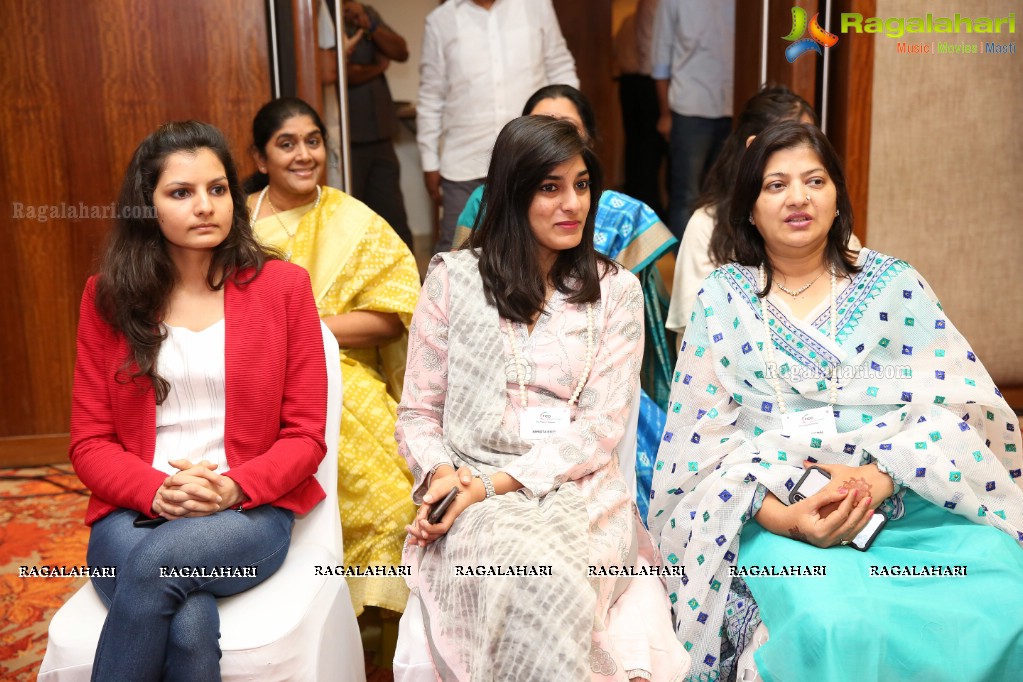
(813, 481)
(143, 521)
(437, 511)
(866, 536)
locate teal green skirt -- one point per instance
(852, 625)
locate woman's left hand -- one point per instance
(470, 490)
(867, 479)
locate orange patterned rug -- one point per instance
(41, 513)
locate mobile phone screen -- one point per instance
(813, 481)
(866, 536)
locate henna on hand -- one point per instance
(859, 484)
(796, 534)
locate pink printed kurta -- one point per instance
(461, 406)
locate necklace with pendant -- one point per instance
(259, 204)
(781, 286)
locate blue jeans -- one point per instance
(695, 144)
(167, 627)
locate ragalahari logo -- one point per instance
(818, 36)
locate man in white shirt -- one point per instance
(693, 62)
(482, 59)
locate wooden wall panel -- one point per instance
(83, 82)
(586, 25)
(850, 84)
(800, 76)
(850, 109)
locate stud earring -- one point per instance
(751, 220)
(836, 212)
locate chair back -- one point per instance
(627, 445)
(323, 522)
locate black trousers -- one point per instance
(645, 149)
(376, 181)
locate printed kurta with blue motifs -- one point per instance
(911, 396)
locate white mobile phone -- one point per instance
(866, 536)
(813, 481)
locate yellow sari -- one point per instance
(357, 262)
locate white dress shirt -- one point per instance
(190, 421)
(692, 266)
(694, 48)
(477, 70)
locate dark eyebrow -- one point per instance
(315, 131)
(182, 183)
(785, 175)
(578, 175)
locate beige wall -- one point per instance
(408, 18)
(946, 176)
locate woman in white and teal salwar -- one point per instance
(919, 424)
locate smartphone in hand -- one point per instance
(866, 536)
(437, 511)
(812, 482)
(143, 521)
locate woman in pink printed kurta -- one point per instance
(567, 509)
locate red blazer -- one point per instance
(276, 403)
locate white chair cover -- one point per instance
(294, 626)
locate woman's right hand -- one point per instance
(470, 490)
(806, 522)
(190, 492)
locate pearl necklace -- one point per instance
(772, 364)
(259, 205)
(520, 364)
(781, 286)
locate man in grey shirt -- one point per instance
(372, 121)
(693, 63)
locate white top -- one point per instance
(692, 266)
(477, 70)
(190, 422)
(694, 48)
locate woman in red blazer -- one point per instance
(198, 409)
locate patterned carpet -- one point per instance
(41, 512)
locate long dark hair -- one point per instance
(772, 104)
(578, 99)
(526, 152)
(137, 274)
(269, 119)
(749, 245)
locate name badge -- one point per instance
(816, 422)
(541, 422)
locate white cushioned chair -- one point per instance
(294, 626)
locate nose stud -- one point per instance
(808, 198)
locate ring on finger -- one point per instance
(844, 542)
